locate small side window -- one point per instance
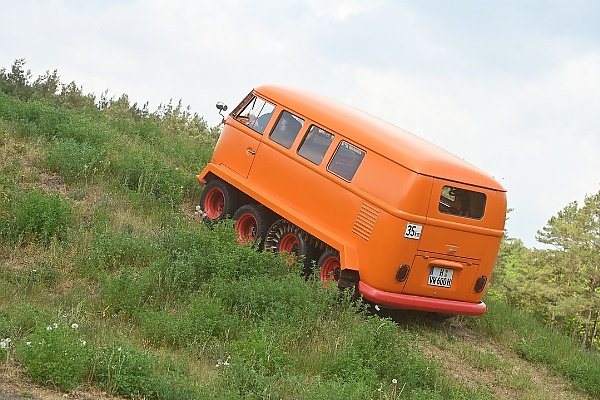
(462, 202)
(254, 112)
(287, 128)
(346, 160)
(315, 144)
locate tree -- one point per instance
(575, 235)
(16, 82)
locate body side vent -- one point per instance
(365, 221)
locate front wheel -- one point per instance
(218, 200)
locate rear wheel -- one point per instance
(252, 223)
(329, 267)
(285, 237)
(218, 200)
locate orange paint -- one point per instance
(373, 195)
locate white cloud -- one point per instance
(339, 10)
(492, 82)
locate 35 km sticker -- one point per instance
(413, 231)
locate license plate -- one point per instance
(440, 277)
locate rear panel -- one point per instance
(458, 243)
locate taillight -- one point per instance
(402, 273)
(480, 284)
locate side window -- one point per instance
(315, 144)
(462, 202)
(254, 112)
(287, 128)
(346, 160)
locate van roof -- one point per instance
(372, 133)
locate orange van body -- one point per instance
(368, 204)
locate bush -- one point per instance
(36, 217)
(126, 371)
(126, 293)
(376, 351)
(142, 171)
(56, 355)
(75, 161)
(191, 324)
(36, 118)
(113, 251)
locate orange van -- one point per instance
(362, 202)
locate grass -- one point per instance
(534, 342)
(110, 282)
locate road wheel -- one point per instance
(285, 237)
(218, 200)
(329, 267)
(252, 221)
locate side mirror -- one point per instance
(221, 107)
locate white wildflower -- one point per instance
(74, 326)
(223, 363)
(5, 343)
(394, 381)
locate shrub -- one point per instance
(142, 171)
(126, 293)
(113, 251)
(195, 323)
(37, 217)
(36, 118)
(56, 355)
(75, 161)
(376, 351)
(125, 370)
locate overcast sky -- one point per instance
(513, 87)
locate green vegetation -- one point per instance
(110, 281)
(559, 285)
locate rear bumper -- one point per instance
(411, 302)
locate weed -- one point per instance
(36, 217)
(56, 355)
(75, 161)
(125, 370)
(196, 323)
(111, 251)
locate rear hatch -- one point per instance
(452, 244)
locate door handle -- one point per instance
(250, 151)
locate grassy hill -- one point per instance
(109, 283)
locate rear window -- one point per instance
(462, 202)
(346, 160)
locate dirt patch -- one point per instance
(477, 362)
(16, 387)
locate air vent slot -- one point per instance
(365, 221)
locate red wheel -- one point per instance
(246, 227)
(215, 203)
(289, 243)
(329, 266)
(252, 223)
(218, 200)
(285, 237)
